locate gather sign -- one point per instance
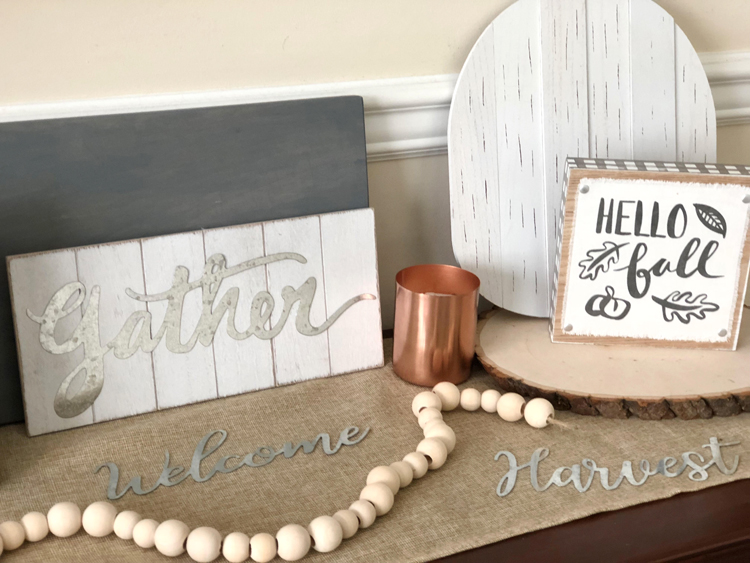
(124, 328)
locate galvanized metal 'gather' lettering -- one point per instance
(136, 333)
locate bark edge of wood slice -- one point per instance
(614, 381)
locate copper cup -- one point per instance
(435, 324)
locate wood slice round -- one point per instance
(549, 79)
(614, 381)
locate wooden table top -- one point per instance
(711, 525)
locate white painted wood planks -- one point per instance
(612, 79)
(289, 301)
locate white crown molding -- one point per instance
(404, 117)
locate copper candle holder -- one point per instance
(435, 324)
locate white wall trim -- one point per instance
(404, 117)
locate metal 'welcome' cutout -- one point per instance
(136, 332)
(172, 475)
(120, 329)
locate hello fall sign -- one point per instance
(652, 253)
(119, 329)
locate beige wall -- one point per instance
(76, 49)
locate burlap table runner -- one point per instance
(450, 510)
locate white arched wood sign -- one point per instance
(548, 79)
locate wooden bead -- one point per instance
(418, 462)
(510, 407)
(326, 533)
(380, 495)
(35, 526)
(365, 512)
(405, 473)
(170, 536)
(236, 547)
(424, 400)
(470, 399)
(434, 422)
(262, 547)
(64, 519)
(442, 432)
(203, 544)
(293, 542)
(98, 519)
(124, 524)
(348, 521)
(435, 452)
(428, 414)
(385, 474)
(538, 412)
(13, 535)
(449, 394)
(489, 400)
(143, 533)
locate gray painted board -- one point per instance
(91, 180)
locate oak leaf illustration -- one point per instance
(683, 306)
(600, 260)
(711, 218)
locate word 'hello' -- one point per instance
(136, 333)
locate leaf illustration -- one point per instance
(711, 219)
(600, 260)
(684, 306)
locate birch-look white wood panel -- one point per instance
(350, 268)
(155, 323)
(619, 74)
(185, 378)
(566, 107)
(652, 75)
(696, 120)
(475, 182)
(129, 388)
(608, 58)
(241, 365)
(297, 357)
(35, 279)
(521, 166)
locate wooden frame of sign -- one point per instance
(118, 329)
(652, 253)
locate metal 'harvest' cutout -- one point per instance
(693, 462)
(136, 332)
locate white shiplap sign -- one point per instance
(549, 79)
(119, 329)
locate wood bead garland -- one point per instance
(143, 533)
(326, 533)
(35, 526)
(449, 394)
(98, 519)
(424, 400)
(124, 524)
(387, 475)
(12, 534)
(292, 542)
(203, 544)
(262, 547)
(170, 536)
(380, 496)
(348, 521)
(236, 547)
(471, 399)
(64, 519)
